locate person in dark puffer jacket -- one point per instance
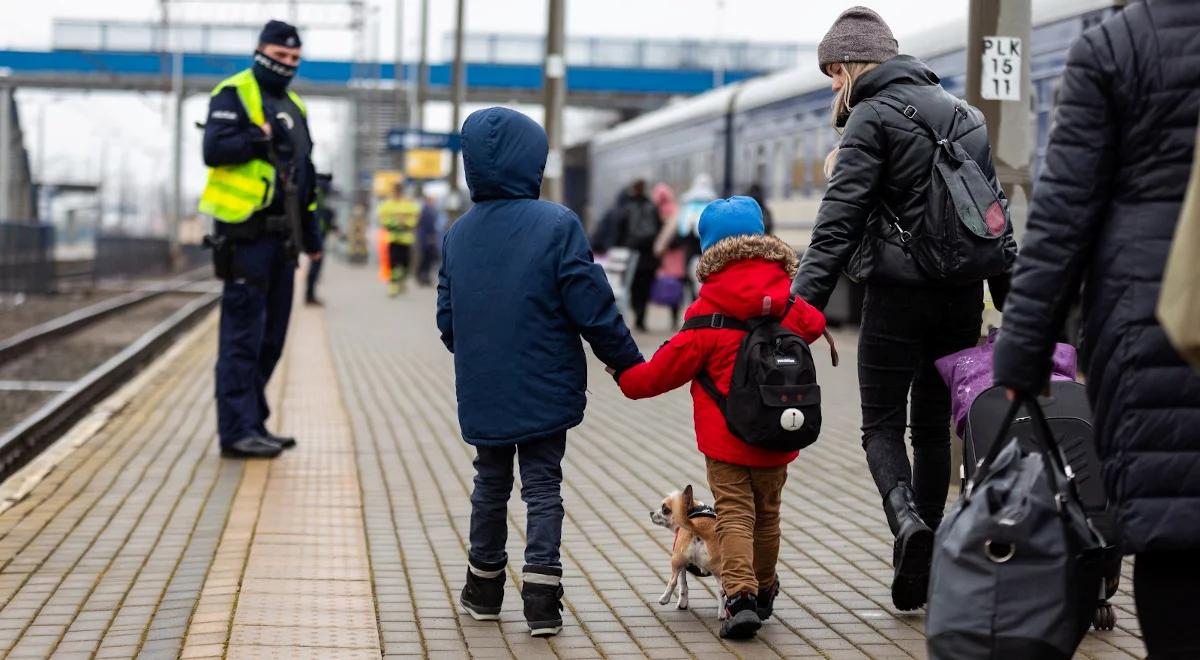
(1103, 213)
(517, 291)
(884, 158)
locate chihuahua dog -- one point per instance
(695, 548)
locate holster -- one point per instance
(224, 253)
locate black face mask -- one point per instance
(271, 73)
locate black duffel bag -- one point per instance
(1017, 569)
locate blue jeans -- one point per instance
(540, 462)
(255, 306)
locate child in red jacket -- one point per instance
(744, 274)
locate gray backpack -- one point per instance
(1017, 568)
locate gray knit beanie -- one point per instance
(858, 35)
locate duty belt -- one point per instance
(275, 224)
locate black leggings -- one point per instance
(639, 293)
(904, 329)
(399, 258)
(1164, 587)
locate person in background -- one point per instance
(607, 233)
(428, 239)
(517, 295)
(260, 193)
(326, 224)
(398, 217)
(1103, 213)
(640, 225)
(669, 247)
(908, 320)
(692, 203)
(755, 192)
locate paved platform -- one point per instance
(141, 541)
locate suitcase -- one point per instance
(1070, 416)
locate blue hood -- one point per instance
(504, 153)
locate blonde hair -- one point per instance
(841, 103)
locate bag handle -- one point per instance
(1042, 435)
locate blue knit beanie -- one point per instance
(723, 218)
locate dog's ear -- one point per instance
(688, 501)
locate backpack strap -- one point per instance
(715, 322)
(910, 111)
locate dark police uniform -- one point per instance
(245, 194)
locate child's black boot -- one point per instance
(741, 617)
(483, 594)
(542, 592)
(766, 600)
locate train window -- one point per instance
(817, 164)
(779, 178)
(762, 169)
(799, 172)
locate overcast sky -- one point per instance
(87, 133)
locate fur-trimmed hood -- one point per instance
(740, 248)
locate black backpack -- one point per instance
(774, 401)
(642, 224)
(961, 236)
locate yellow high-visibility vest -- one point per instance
(399, 217)
(233, 193)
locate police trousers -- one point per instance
(255, 306)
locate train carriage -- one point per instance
(775, 130)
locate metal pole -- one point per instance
(554, 83)
(176, 215)
(399, 111)
(721, 48)
(1008, 121)
(459, 94)
(422, 69)
(6, 130)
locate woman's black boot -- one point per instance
(913, 551)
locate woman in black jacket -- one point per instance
(882, 166)
(1103, 214)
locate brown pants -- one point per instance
(747, 503)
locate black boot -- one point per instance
(741, 617)
(483, 594)
(542, 592)
(766, 600)
(913, 551)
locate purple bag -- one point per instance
(969, 372)
(667, 291)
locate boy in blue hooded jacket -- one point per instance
(517, 290)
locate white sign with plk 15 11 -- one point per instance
(1001, 79)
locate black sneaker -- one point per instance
(483, 594)
(766, 601)
(284, 441)
(251, 446)
(542, 592)
(741, 617)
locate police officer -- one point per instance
(260, 192)
(326, 224)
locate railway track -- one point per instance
(52, 373)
